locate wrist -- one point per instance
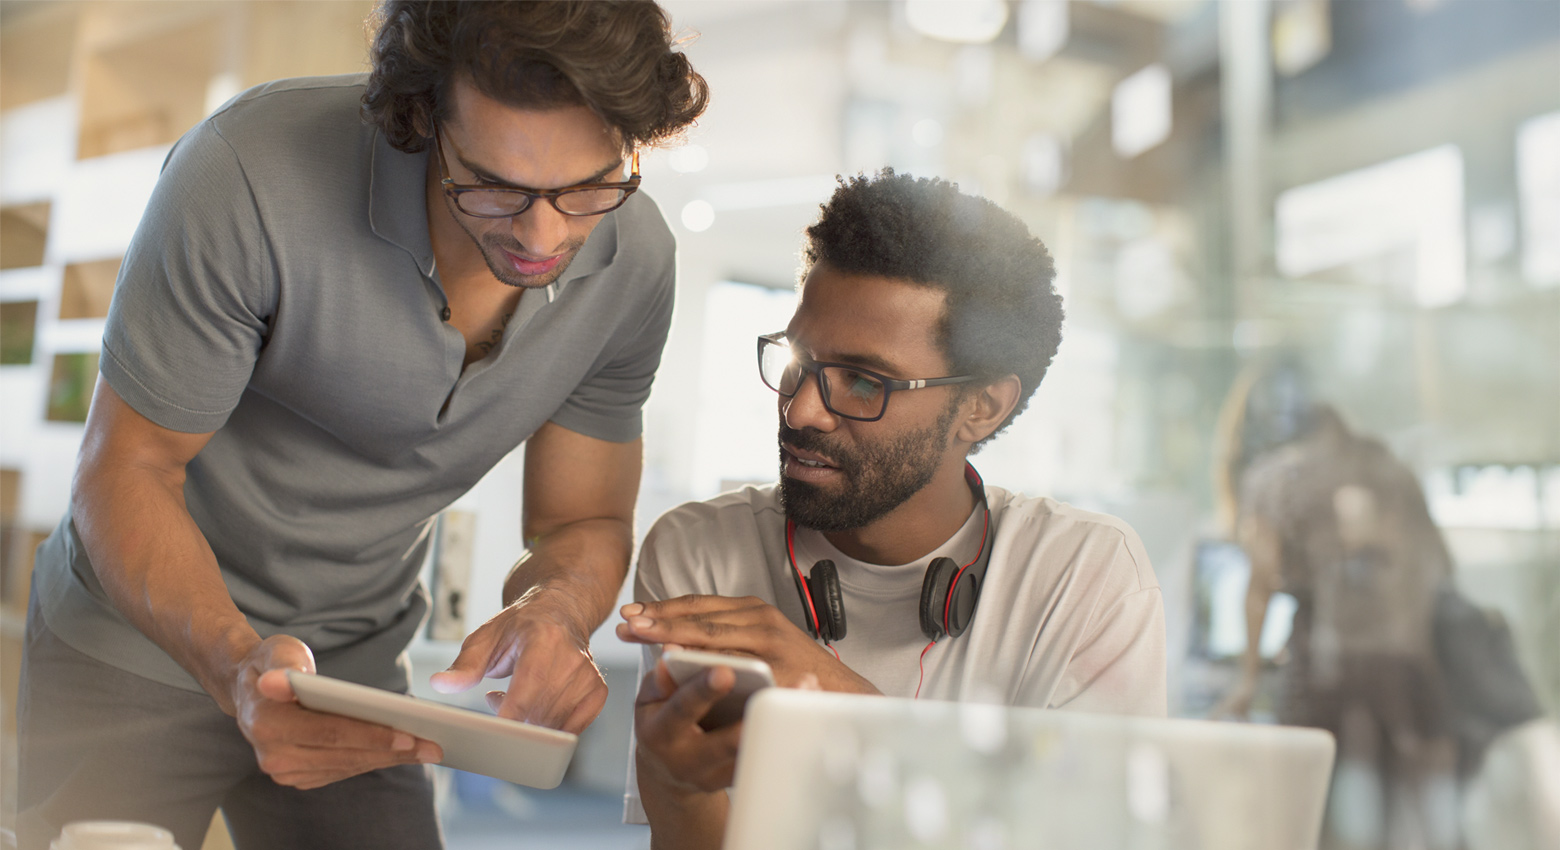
(224, 674)
(559, 604)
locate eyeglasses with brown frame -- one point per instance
(485, 201)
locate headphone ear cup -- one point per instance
(805, 593)
(824, 582)
(934, 595)
(961, 604)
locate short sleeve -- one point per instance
(1119, 668)
(607, 404)
(195, 292)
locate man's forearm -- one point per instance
(159, 571)
(576, 570)
(683, 821)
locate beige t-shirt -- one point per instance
(1071, 615)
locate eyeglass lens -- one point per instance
(499, 203)
(846, 391)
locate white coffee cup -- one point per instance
(113, 835)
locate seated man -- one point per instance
(924, 323)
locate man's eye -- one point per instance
(861, 386)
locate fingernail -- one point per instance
(426, 755)
(641, 622)
(403, 741)
(633, 608)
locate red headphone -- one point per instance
(948, 593)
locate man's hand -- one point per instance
(303, 748)
(674, 751)
(554, 680)
(744, 626)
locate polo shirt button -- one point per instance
(445, 314)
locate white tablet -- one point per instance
(522, 753)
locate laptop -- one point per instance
(823, 771)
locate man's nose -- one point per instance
(541, 229)
(805, 409)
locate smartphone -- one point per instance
(752, 675)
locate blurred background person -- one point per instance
(1382, 651)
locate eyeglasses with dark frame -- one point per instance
(847, 391)
(485, 201)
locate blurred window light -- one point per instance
(697, 216)
(776, 192)
(1140, 111)
(974, 73)
(1522, 497)
(1043, 164)
(1043, 26)
(928, 132)
(689, 158)
(1492, 232)
(965, 21)
(1147, 281)
(1302, 35)
(1413, 203)
(737, 420)
(220, 89)
(1538, 190)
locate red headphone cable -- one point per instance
(921, 665)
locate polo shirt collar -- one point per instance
(398, 213)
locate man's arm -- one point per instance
(579, 522)
(159, 571)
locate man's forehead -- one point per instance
(872, 321)
(564, 143)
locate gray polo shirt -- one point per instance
(281, 292)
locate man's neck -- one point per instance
(916, 528)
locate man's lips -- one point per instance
(809, 458)
(527, 266)
(807, 466)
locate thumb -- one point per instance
(468, 669)
(282, 653)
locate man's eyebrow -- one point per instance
(865, 361)
(490, 177)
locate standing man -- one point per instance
(347, 300)
(924, 323)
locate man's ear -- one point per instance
(987, 408)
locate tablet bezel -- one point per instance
(523, 753)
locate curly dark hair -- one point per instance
(614, 56)
(1002, 315)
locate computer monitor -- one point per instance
(823, 771)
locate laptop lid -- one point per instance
(823, 771)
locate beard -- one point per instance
(878, 477)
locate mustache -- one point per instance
(813, 440)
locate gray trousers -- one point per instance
(97, 743)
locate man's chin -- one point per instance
(810, 506)
(498, 263)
